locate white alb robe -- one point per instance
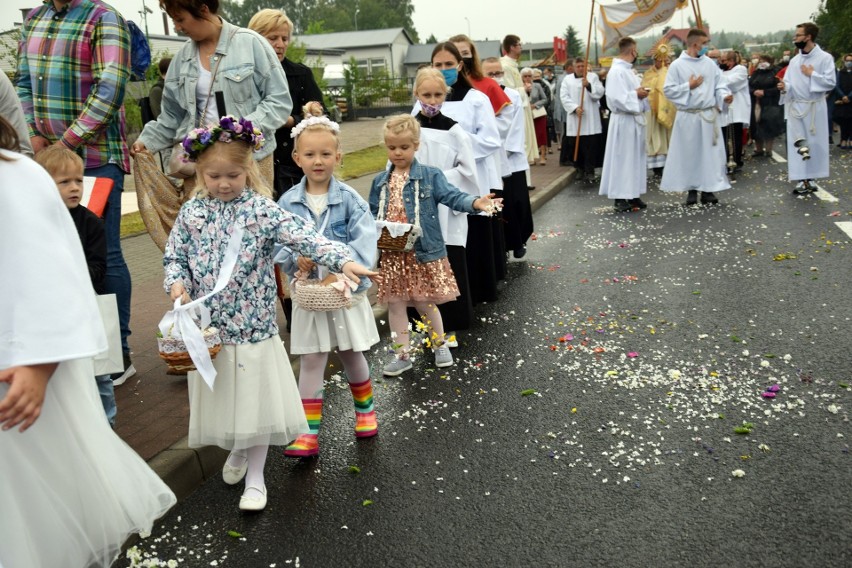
(451, 152)
(739, 111)
(624, 168)
(512, 79)
(510, 124)
(806, 113)
(72, 491)
(570, 94)
(697, 158)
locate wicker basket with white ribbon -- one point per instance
(398, 237)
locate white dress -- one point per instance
(72, 491)
(350, 329)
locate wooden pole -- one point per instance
(696, 10)
(583, 89)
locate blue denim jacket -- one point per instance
(349, 222)
(434, 189)
(250, 77)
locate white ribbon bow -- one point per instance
(179, 321)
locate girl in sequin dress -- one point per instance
(409, 192)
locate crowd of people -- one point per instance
(708, 99)
(261, 216)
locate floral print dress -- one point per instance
(403, 278)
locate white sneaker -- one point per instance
(443, 357)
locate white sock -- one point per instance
(254, 475)
(236, 458)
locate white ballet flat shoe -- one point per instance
(233, 475)
(253, 503)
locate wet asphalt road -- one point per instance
(590, 417)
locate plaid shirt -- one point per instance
(73, 67)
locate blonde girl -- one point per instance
(343, 216)
(254, 402)
(409, 192)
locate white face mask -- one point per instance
(763, 65)
(755, 61)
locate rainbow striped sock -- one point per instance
(366, 424)
(307, 444)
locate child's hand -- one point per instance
(23, 401)
(354, 271)
(178, 291)
(489, 204)
(313, 108)
(305, 264)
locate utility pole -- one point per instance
(144, 14)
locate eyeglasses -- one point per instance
(495, 74)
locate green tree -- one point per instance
(834, 18)
(575, 44)
(431, 39)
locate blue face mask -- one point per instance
(848, 64)
(703, 51)
(450, 76)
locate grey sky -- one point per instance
(535, 21)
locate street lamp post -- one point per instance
(356, 18)
(468, 26)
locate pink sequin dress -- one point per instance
(403, 278)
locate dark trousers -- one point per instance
(845, 124)
(735, 145)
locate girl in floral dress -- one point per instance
(254, 401)
(421, 277)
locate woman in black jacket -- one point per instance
(277, 28)
(767, 116)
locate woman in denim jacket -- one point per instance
(247, 72)
(409, 192)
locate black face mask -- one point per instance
(723, 66)
(468, 63)
(800, 44)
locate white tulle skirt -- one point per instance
(71, 491)
(254, 401)
(320, 332)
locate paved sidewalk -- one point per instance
(153, 408)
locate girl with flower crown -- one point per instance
(254, 401)
(343, 216)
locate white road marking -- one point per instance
(778, 157)
(824, 195)
(845, 226)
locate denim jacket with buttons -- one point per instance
(434, 189)
(250, 77)
(349, 222)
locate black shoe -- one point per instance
(119, 379)
(692, 197)
(520, 252)
(707, 198)
(805, 189)
(638, 203)
(622, 206)
(658, 172)
(530, 187)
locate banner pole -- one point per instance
(697, 12)
(582, 88)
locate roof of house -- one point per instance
(349, 40)
(422, 53)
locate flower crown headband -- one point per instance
(230, 128)
(315, 121)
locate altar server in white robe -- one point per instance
(588, 117)
(444, 144)
(809, 77)
(625, 177)
(474, 113)
(739, 111)
(517, 212)
(696, 160)
(72, 491)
